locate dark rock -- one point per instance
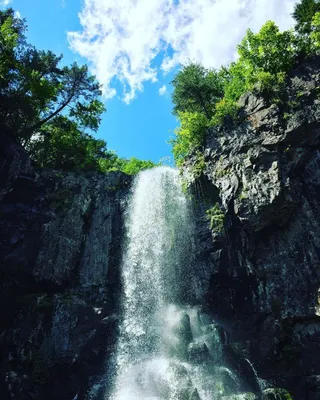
(275, 394)
(260, 279)
(59, 254)
(198, 352)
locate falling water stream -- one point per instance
(167, 349)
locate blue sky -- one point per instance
(135, 46)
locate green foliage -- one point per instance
(60, 144)
(268, 51)
(189, 135)
(185, 186)
(216, 218)
(133, 165)
(204, 98)
(196, 89)
(237, 82)
(129, 166)
(315, 35)
(34, 88)
(199, 165)
(224, 108)
(264, 59)
(286, 115)
(303, 14)
(280, 394)
(221, 169)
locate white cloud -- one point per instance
(163, 90)
(5, 3)
(17, 14)
(121, 39)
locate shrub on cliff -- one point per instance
(315, 33)
(204, 97)
(129, 166)
(264, 58)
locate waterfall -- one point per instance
(166, 348)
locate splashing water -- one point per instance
(165, 350)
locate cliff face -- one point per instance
(258, 260)
(59, 255)
(261, 272)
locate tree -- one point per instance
(189, 135)
(303, 14)
(196, 89)
(60, 144)
(34, 88)
(315, 34)
(264, 57)
(269, 50)
(78, 91)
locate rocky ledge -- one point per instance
(260, 186)
(59, 254)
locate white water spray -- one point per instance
(164, 350)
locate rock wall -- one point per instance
(260, 274)
(258, 260)
(59, 255)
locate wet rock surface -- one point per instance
(259, 277)
(59, 256)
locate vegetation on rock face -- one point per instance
(216, 218)
(204, 98)
(52, 109)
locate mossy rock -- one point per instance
(276, 394)
(216, 218)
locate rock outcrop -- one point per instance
(261, 271)
(59, 255)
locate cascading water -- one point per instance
(166, 350)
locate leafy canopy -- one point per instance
(196, 89)
(303, 15)
(60, 144)
(315, 34)
(34, 88)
